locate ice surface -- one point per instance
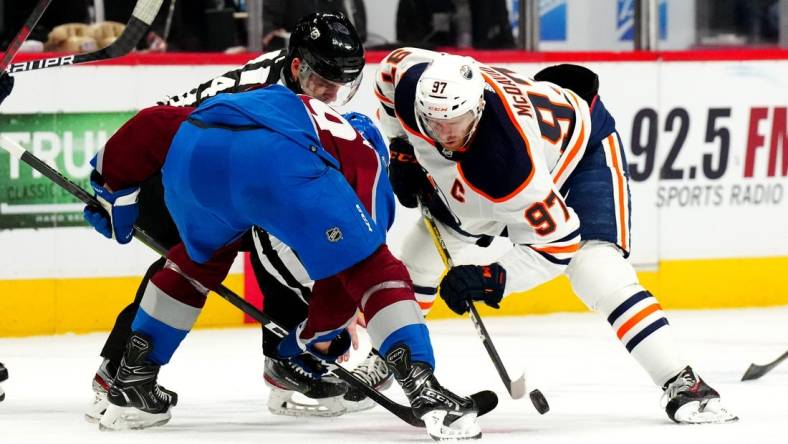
(597, 393)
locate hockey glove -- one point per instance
(293, 345)
(408, 178)
(6, 85)
(364, 125)
(466, 283)
(116, 218)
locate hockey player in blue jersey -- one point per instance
(265, 158)
(327, 67)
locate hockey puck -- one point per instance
(539, 401)
(485, 400)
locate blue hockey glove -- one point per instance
(292, 345)
(119, 212)
(364, 125)
(466, 283)
(6, 85)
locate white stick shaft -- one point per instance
(12, 147)
(146, 10)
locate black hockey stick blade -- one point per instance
(756, 371)
(23, 33)
(141, 18)
(403, 412)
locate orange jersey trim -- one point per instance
(611, 139)
(564, 249)
(527, 180)
(573, 152)
(425, 305)
(382, 98)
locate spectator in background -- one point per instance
(279, 17)
(183, 25)
(59, 12)
(427, 23)
(490, 24)
(757, 20)
(458, 23)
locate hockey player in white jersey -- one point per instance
(538, 161)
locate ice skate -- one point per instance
(446, 416)
(374, 371)
(101, 382)
(689, 400)
(3, 377)
(136, 401)
(287, 379)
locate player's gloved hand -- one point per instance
(408, 178)
(115, 220)
(337, 342)
(466, 283)
(6, 85)
(364, 125)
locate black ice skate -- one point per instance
(691, 401)
(447, 416)
(3, 377)
(136, 401)
(374, 371)
(287, 379)
(101, 382)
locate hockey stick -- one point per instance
(141, 17)
(23, 33)
(515, 388)
(403, 412)
(756, 371)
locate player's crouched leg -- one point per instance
(136, 400)
(397, 330)
(608, 284)
(172, 301)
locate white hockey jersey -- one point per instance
(530, 138)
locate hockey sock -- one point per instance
(641, 325)
(175, 296)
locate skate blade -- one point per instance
(96, 410)
(93, 419)
(118, 418)
(463, 428)
(710, 412)
(358, 406)
(281, 402)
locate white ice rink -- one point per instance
(596, 391)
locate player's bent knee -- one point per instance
(599, 273)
